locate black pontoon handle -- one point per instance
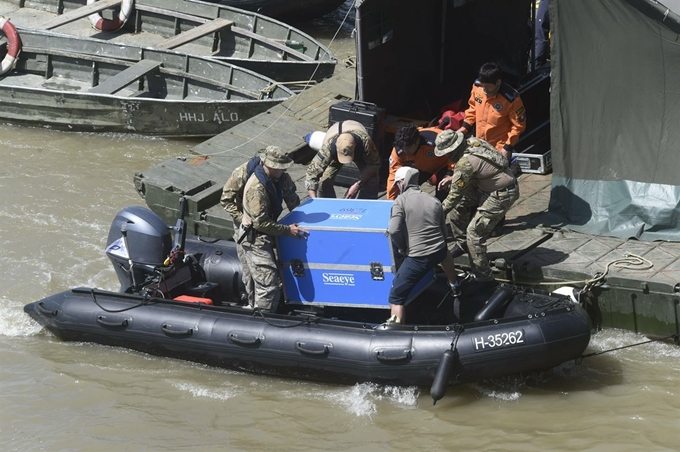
(44, 310)
(380, 354)
(167, 329)
(101, 319)
(233, 337)
(301, 347)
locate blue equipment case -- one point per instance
(346, 260)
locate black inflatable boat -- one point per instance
(181, 298)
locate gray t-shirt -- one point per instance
(417, 223)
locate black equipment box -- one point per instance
(368, 115)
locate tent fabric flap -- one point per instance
(615, 111)
(613, 213)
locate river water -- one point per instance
(59, 192)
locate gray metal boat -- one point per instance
(82, 84)
(245, 38)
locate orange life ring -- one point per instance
(14, 45)
(112, 25)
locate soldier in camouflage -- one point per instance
(480, 171)
(263, 196)
(232, 200)
(344, 142)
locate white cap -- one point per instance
(400, 174)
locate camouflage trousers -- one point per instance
(327, 183)
(260, 273)
(245, 271)
(477, 230)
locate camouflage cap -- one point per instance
(345, 145)
(276, 158)
(447, 142)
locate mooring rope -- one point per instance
(675, 336)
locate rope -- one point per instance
(675, 336)
(630, 261)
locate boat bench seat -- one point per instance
(78, 13)
(195, 33)
(124, 78)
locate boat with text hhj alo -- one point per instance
(180, 297)
(90, 85)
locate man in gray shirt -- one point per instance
(418, 231)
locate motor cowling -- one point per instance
(149, 241)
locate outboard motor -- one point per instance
(137, 238)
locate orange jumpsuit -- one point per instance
(423, 160)
(500, 119)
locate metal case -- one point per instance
(346, 260)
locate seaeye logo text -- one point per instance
(338, 279)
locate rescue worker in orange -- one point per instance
(414, 147)
(496, 109)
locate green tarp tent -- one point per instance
(615, 117)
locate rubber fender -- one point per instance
(493, 306)
(442, 376)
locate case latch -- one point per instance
(377, 273)
(298, 267)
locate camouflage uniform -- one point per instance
(323, 169)
(482, 171)
(258, 248)
(232, 200)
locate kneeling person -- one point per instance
(418, 230)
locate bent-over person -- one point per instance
(344, 142)
(418, 231)
(480, 170)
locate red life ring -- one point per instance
(112, 25)
(14, 45)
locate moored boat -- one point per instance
(248, 39)
(289, 10)
(79, 84)
(181, 298)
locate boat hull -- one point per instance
(82, 112)
(315, 349)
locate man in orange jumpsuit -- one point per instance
(496, 110)
(414, 147)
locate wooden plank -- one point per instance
(171, 13)
(124, 78)
(271, 43)
(195, 33)
(78, 13)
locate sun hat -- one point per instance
(345, 145)
(275, 158)
(447, 142)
